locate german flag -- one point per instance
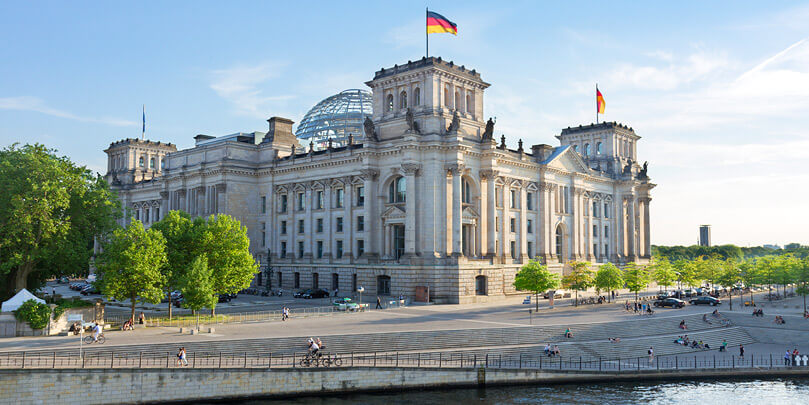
(600, 104)
(437, 23)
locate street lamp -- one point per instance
(360, 289)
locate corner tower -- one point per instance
(131, 161)
(608, 146)
(434, 91)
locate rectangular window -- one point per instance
(360, 223)
(315, 280)
(263, 234)
(354, 282)
(301, 201)
(283, 203)
(595, 209)
(606, 231)
(360, 247)
(595, 249)
(360, 196)
(320, 225)
(513, 198)
(530, 249)
(146, 215)
(595, 231)
(319, 200)
(283, 250)
(264, 204)
(529, 201)
(283, 227)
(157, 214)
(530, 225)
(339, 249)
(300, 249)
(297, 280)
(137, 215)
(606, 210)
(338, 200)
(513, 249)
(513, 226)
(497, 224)
(300, 227)
(606, 249)
(339, 224)
(320, 249)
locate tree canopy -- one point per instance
(535, 277)
(636, 278)
(580, 278)
(50, 211)
(609, 278)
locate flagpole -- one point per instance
(143, 131)
(426, 33)
(596, 103)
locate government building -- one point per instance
(413, 195)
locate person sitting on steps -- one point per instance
(568, 334)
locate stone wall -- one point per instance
(103, 386)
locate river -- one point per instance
(736, 392)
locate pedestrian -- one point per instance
(724, 346)
(651, 354)
(787, 358)
(378, 302)
(336, 292)
(142, 319)
(741, 351)
(181, 357)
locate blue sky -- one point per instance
(719, 91)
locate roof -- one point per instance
(556, 152)
(17, 300)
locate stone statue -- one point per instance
(350, 138)
(412, 125)
(455, 124)
(519, 146)
(370, 130)
(628, 168)
(503, 142)
(330, 144)
(642, 174)
(311, 146)
(489, 132)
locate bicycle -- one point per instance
(311, 360)
(89, 339)
(329, 360)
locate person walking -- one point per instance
(142, 319)
(787, 358)
(651, 354)
(181, 360)
(378, 302)
(741, 351)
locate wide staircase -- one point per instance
(589, 340)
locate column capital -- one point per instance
(645, 200)
(411, 169)
(488, 174)
(547, 186)
(164, 194)
(221, 188)
(181, 192)
(629, 198)
(369, 174)
(454, 168)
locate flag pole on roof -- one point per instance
(143, 131)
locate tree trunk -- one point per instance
(577, 299)
(169, 305)
(20, 278)
(132, 316)
(536, 301)
(730, 298)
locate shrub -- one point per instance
(34, 313)
(63, 305)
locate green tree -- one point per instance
(749, 273)
(709, 268)
(686, 272)
(802, 278)
(535, 277)
(50, 210)
(766, 270)
(181, 248)
(636, 278)
(227, 246)
(197, 287)
(662, 272)
(131, 265)
(36, 314)
(580, 278)
(609, 278)
(730, 276)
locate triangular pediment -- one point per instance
(565, 158)
(393, 212)
(470, 213)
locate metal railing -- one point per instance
(440, 359)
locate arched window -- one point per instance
(599, 149)
(560, 238)
(458, 101)
(389, 103)
(163, 166)
(151, 163)
(397, 191)
(586, 149)
(383, 285)
(403, 100)
(466, 194)
(447, 97)
(480, 285)
(576, 148)
(416, 97)
(141, 161)
(470, 106)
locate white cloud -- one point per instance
(240, 86)
(35, 104)
(676, 73)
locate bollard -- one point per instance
(220, 360)
(440, 356)
(269, 364)
(579, 362)
(112, 359)
(770, 360)
(599, 363)
(54, 360)
(418, 364)
(245, 359)
(487, 360)
(23, 359)
(520, 360)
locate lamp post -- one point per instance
(360, 289)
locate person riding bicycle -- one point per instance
(313, 348)
(320, 344)
(96, 332)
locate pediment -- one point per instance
(567, 159)
(394, 212)
(470, 213)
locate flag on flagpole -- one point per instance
(437, 23)
(143, 132)
(600, 104)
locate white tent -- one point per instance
(17, 300)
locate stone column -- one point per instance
(372, 220)
(619, 234)
(647, 239)
(328, 219)
(411, 170)
(523, 245)
(456, 170)
(348, 220)
(591, 254)
(164, 204)
(292, 226)
(308, 240)
(221, 198)
(487, 212)
(575, 234)
(631, 236)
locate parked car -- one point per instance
(224, 298)
(300, 293)
(316, 294)
(558, 294)
(689, 293)
(663, 295)
(345, 304)
(670, 302)
(706, 300)
(89, 290)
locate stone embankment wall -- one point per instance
(101, 386)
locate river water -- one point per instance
(770, 392)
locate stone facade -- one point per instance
(429, 199)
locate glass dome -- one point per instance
(336, 117)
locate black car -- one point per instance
(90, 289)
(224, 298)
(301, 293)
(670, 302)
(316, 294)
(706, 300)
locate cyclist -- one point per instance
(320, 344)
(96, 332)
(313, 347)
